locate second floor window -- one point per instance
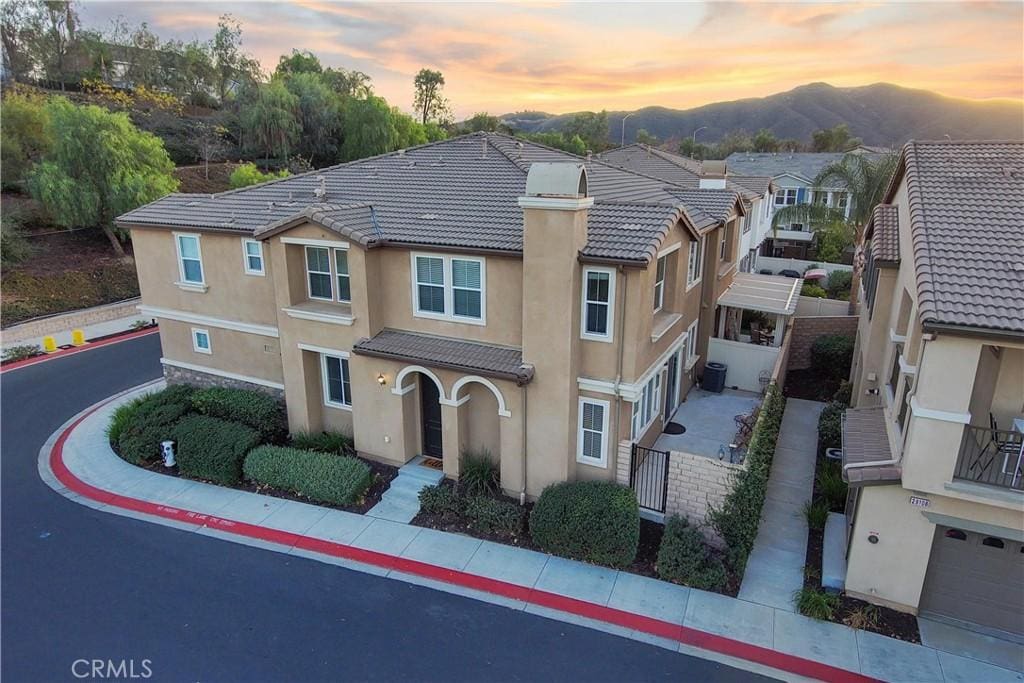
(695, 266)
(190, 261)
(449, 287)
(786, 197)
(659, 283)
(324, 283)
(430, 284)
(466, 288)
(597, 303)
(341, 272)
(253, 257)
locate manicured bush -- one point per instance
(123, 416)
(812, 290)
(685, 558)
(739, 515)
(212, 449)
(832, 355)
(322, 477)
(817, 514)
(816, 604)
(148, 421)
(260, 411)
(325, 442)
(478, 473)
(594, 521)
(831, 486)
(839, 283)
(491, 515)
(844, 394)
(441, 499)
(830, 427)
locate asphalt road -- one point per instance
(82, 584)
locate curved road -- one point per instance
(83, 584)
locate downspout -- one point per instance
(522, 489)
(622, 349)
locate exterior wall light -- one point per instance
(381, 380)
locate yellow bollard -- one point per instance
(77, 338)
(49, 344)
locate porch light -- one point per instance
(381, 380)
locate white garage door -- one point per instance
(976, 578)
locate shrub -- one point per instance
(816, 604)
(863, 618)
(739, 515)
(440, 500)
(813, 290)
(151, 421)
(21, 352)
(248, 174)
(830, 427)
(817, 514)
(213, 449)
(844, 394)
(256, 409)
(839, 283)
(685, 558)
(123, 416)
(831, 486)
(322, 477)
(832, 354)
(491, 515)
(478, 473)
(325, 442)
(594, 521)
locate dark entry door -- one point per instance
(431, 410)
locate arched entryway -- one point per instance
(481, 408)
(423, 399)
(431, 432)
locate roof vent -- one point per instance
(557, 180)
(321, 190)
(401, 152)
(519, 144)
(483, 147)
(428, 217)
(590, 155)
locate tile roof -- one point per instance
(806, 165)
(866, 441)
(457, 354)
(677, 169)
(884, 231)
(458, 193)
(966, 202)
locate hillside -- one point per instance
(879, 114)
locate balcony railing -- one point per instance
(993, 457)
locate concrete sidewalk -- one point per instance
(775, 569)
(78, 458)
(98, 321)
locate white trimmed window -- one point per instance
(252, 252)
(190, 259)
(336, 381)
(598, 294)
(695, 265)
(318, 273)
(592, 440)
(691, 343)
(341, 275)
(786, 197)
(645, 410)
(659, 283)
(449, 288)
(201, 341)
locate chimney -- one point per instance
(712, 175)
(555, 209)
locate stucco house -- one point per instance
(932, 448)
(480, 293)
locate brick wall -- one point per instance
(176, 375)
(696, 483)
(65, 322)
(806, 330)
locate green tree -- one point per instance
(482, 121)
(196, 73)
(369, 128)
(574, 145)
(99, 167)
(765, 141)
(348, 83)
(247, 174)
(19, 30)
(645, 138)
(865, 181)
(269, 118)
(435, 132)
(230, 64)
(835, 139)
(304, 62)
(409, 131)
(429, 101)
(59, 23)
(591, 127)
(694, 150)
(319, 115)
(24, 136)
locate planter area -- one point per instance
(239, 439)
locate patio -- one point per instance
(709, 421)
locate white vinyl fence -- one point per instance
(799, 265)
(809, 306)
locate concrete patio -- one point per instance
(708, 418)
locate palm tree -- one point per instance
(865, 181)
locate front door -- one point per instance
(430, 408)
(670, 386)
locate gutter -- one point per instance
(622, 349)
(968, 331)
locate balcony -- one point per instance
(992, 457)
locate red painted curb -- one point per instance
(589, 610)
(89, 346)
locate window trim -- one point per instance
(343, 358)
(651, 395)
(337, 275)
(691, 340)
(182, 281)
(691, 281)
(262, 272)
(659, 285)
(605, 411)
(329, 273)
(449, 290)
(609, 335)
(196, 331)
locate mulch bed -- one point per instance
(382, 478)
(810, 385)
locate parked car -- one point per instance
(790, 273)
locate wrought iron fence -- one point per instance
(991, 456)
(648, 477)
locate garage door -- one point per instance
(976, 578)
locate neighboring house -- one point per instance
(479, 293)
(792, 174)
(932, 448)
(756, 191)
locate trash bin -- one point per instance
(714, 377)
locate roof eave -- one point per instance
(973, 331)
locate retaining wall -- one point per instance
(806, 330)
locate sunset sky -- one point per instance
(561, 57)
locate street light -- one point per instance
(622, 142)
(695, 134)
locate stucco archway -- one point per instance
(410, 369)
(463, 381)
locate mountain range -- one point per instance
(879, 114)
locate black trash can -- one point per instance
(714, 377)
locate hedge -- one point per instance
(830, 427)
(325, 442)
(256, 409)
(490, 515)
(138, 427)
(832, 355)
(594, 521)
(684, 557)
(321, 477)
(213, 449)
(442, 500)
(739, 515)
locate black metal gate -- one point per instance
(648, 477)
